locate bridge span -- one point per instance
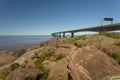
(110, 27)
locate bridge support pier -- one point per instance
(63, 34)
(59, 34)
(72, 34)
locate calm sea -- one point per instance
(18, 42)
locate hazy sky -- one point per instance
(42, 17)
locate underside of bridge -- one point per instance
(111, 27)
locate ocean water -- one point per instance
(19, 42)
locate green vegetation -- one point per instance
(111, 34)
(114, 77)
(117, 44)
(23, 65)
(4, 75)
(115, 56)
(70, 40)
(79, 45)
(44, 75)
(39, 65)
(42, 58)
(60, 56)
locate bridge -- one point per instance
(110, 27)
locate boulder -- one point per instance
(24, 74)
(29, 55)
(5, 70)
(96, 40)
(61, 52)
(89, 63)
(104, 43)
(57, 70)
(54, 42)
(6, 58)
(20, 53)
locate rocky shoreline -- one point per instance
(87, 57)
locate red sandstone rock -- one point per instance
(24, 74)
(89, 63)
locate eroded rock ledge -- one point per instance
(65, 59)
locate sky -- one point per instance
(43, 17)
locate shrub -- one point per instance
(111, 34)
(70, 40)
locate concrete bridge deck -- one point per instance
(110, 27)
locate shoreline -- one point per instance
(51, 54)
(15, 43)
(17, 49)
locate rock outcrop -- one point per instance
(101, 42)
(24, 74)
(57, 70)
(5, 70)
(57, 64)
(54, 42)
(57, 59)
(89, 63)
(6, 58)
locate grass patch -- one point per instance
(111, 34)
(115, 56)
(44, 75)
(4, 75)
(70, 40)
(79, 45)
(60, 56)
(117, 44)
(39, 65)
(114, 77)
(42, 58)
(23, 65)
